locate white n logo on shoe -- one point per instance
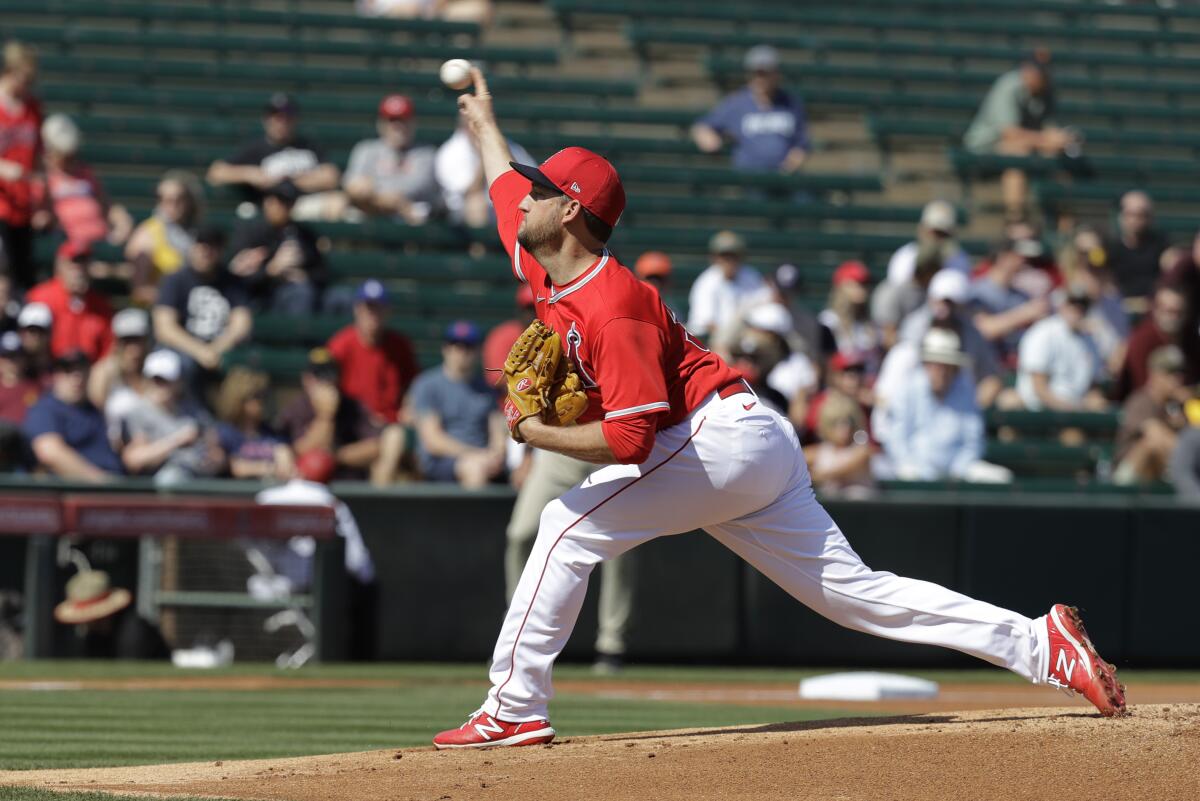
(492, 726)
(1063, 667)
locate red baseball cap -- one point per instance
(652, 263)
(396, 107)
(851, 271)
(846, 361)
(74, 250)
(584, 176)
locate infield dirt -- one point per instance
(1005, 755)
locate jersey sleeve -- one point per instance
(507, 192)
(627, 358)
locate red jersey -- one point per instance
(633, 356)
(79, 323)
(20, 142)
(377, 376)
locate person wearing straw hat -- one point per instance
(106, 625)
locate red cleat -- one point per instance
(1076, 667)
(484, 731)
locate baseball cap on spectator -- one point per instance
(462, 332)
(396, 107)
(761, 58)
(1165, 359)
(285, 190)
(131, 324)
(35, 315)
(581, 175)
(281, 103)
(211, 235)
(372, 291)
(940, 216)
(74, 359)
(854, 271)
(10, 343)
(942, 346)
(525, 296)
(773, 317)
(74, 250)
(726, 243)
(652, 263)
(847, 361)
(787, 277)
(321, 364)
(164, 364)
(950, 285)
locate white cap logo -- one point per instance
(575, 187)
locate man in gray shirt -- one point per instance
(461, 435)
(389, 176)
(169, 436)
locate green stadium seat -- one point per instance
(1029, 457)
(1047, 421)
(705, 177)
(969, 165)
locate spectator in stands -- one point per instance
(459, 172)
(253, 448)
(1058, 362)
(946, 302)
(847, 316)
(160, 244)
(654, 267)
(720, 293)
(277, 258)
(789, 372)
(461, 435)
(77, 200)
(1002, 310)
(10, 307)
(82, 316)
(34, 326)
(1184, 469)
(20, 159)
(168, 435)
(786, 286)
(1151, 421)
(117, 383)
(281, 154)
(1163, 326)
(392, 175)
(840, 462)
(766, 125)
(1136, 246)
(1016, 119)
(891, 303)
(1185, 275)
(939, 222)
(67, 433)
(323, 419)
(1085, 261)
(17, 395)
(500, 339)
(202, 311)
(935, 429)
(377, 364)
(845, 375)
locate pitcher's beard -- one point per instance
(539, 243)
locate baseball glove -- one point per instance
(540, 380)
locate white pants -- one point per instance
(735, 469)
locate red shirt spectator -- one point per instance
(77, 198)
(377, 365)
(82, 316)
(20, 154)
(500, 339)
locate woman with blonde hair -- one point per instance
(841, 461)
(159, 245)
(255, 451)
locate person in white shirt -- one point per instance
(459, 173)
(939, 219)
(721, 292)
(1058, 361)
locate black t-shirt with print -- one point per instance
(203, 303)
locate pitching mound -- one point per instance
(1006, 755)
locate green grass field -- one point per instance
(59, 727)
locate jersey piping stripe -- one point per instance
(562, 293)
(512, 659)
(517, 271)
(645, 407)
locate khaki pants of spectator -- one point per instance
(551, 475)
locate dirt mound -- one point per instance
(1006, 755)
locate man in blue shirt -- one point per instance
(68, 434)
(765, 124)
(461, 434)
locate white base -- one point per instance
(866, 686)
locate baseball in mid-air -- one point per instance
(456, 73)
